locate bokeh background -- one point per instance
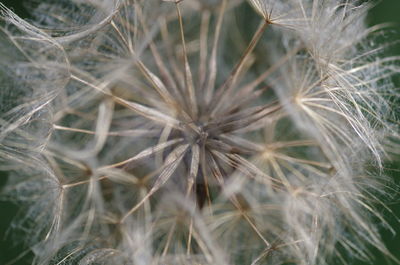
(384, 11)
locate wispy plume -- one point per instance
(196, 132)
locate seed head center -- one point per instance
(196, 133)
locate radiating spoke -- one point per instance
(145, 153)
(171, 163)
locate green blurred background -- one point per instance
(384, 11)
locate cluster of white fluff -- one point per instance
(196, 131)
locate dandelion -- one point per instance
(160, 132)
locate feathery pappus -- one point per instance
(210, 132)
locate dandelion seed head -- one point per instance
(154, 138)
